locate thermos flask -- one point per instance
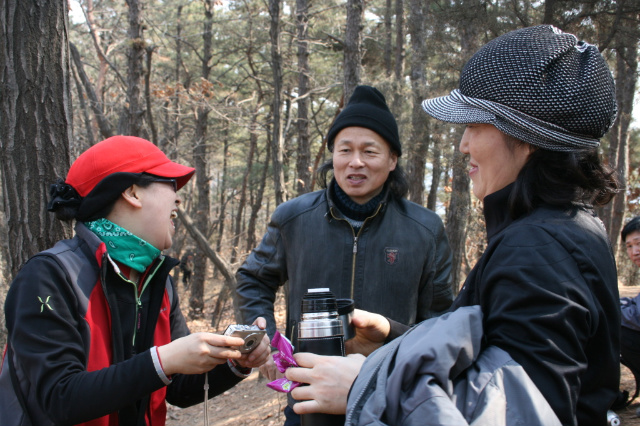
(320, 332)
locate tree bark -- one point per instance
(458, 212)
(419, 147)
(203, 244)
(398, 69)
(200, 161)
(134, 111)
(258, 197)
(36, 124)
(84, 109)
(436, 173)
(626, 78)
(94, 102)
(388, 38)
(303, 159)
(352, 47)
(147, 95)
(276, 128)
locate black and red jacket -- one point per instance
(81, 339)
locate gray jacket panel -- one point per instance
(435, 374)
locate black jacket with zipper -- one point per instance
(548, 288)
(397, 265)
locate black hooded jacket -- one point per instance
(547, 285)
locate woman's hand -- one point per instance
(371, 332)
(198, 353)
(201, 352)
(329, 379)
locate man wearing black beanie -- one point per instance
(358, 236)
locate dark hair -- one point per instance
(561, 178)
(397, 179)
(68, 213)
(632, 226)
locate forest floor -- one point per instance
(251, 403)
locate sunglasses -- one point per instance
(167, 180)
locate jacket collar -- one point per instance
(334, 211)
(496, 211)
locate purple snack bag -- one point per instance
(283, 360)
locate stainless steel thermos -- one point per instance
(320, 331)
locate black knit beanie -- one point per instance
(367, 108)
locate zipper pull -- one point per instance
(355, 245)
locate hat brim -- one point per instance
(449, 109)
(172, 170)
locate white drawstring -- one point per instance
(206, 398)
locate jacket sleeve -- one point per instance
(437, 276)
(630, 312)
(259, 278)
(51, 352)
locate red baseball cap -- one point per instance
(123, 154)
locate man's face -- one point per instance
(633, 247)
(362, 161)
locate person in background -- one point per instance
(95, 332)
(536, 102)
(630, 309)
(186, 266)
(358, 236)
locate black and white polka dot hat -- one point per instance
(537, 84)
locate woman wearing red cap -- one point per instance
(96, 335)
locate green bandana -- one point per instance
(123, 246)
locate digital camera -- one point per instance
(252, 335)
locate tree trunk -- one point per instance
(458, 211)
(103, 67)
(419, 147)
(398, 69)
(256, 205)
(147, 95)
(134, 112)
(176, 95)
(457, 214)
(35, 129)
(203, 245)
(94, 102)
(304, 150)
(200, 161)
(626, 78)
(352, 47)
(83, 107)
(276, 135)
(436, 172)
(388, 38)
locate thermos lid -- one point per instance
(345, 306)
(319, 300)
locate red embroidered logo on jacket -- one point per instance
(391, 255)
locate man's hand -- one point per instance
(260, 354)
(329, 379)
(270, 370)
(371, 332)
